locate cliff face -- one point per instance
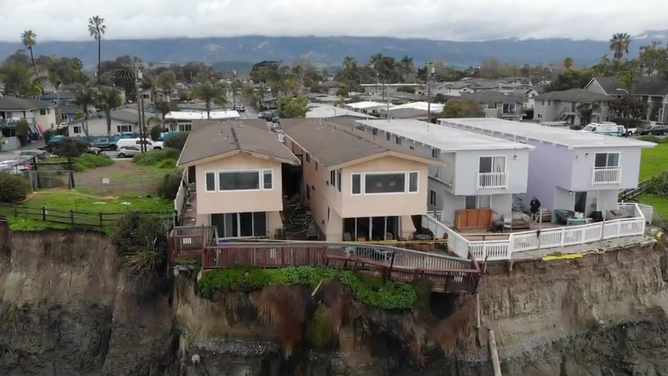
(65, 310)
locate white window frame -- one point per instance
(432, 197)
(436, 153)
(407, 182)
(260, 173)
(185, 127)
(271, 173)
(477, 201)
(77, 127)
(606, 167)
(119, 128)
(388, 136)
(215, 181)
(505, 163)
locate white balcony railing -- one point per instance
(611, 175)
(492, 180)
(542, 239)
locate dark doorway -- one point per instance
(292, 180)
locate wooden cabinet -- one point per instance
(473, 218)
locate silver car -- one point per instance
(128, 151)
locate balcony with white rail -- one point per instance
(558, 237)
(487, 180)
(608, 175)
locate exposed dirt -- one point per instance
(125, 179)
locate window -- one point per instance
(185, 127)
(384, 183)
(308, 158)
(509, 108)
(210, 181)
(397, 140)
(316, 166)
(436, 153)
(332, 178)
(492, 164)
(606, 160)
(76, 129)
(338, 180)
(267, 179)
(478, 202)
(432, 197)
(232, 225)
(357, 184)
(388, 136)
(63, 117)
(124, 128)
(540, 116)
(374, 132)
(413, 182)
(43, 111)
(239, 180)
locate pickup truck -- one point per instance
(104, 144)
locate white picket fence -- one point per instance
(180, 200)
(544, 238)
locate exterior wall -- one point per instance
(583, 167)
(595, 87)
(96, 126)
(450, 203)
(466, 171)
(239, 201)
(9, 143)
(46, 121)
(549, 110)
(495, 110)
(379, 205)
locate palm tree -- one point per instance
(568, 63)
(210, 92)
(108, 100)
(166, 82)
(619, 45)
(96, 28)
(406, 66)
(29, 39)
(84, 98)
(163, 108)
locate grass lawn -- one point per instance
(659, 204)
(124, 179)
(653, 161)
(96, 212)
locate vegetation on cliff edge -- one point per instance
(372, 291)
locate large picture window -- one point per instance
(492, 164)
(606, 160)
(385, 183)
(239, 180)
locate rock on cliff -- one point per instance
(65, 310)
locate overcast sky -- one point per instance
(434, 19)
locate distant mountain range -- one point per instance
(332, 50)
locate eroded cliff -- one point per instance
(65, 310)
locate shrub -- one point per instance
(169, 186)
(22, 131)
(384, 295)
(48, 135)
(177, 141)
(13, 188)
(154, 158)
(88, 161)
(141, 244)
(155, 132)
(70, 148)
(658, 185)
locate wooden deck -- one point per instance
(447, 273)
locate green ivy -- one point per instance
(373, 291)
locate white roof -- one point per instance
(328, 111)
(435, 107)
(554, 135)
(366, 105)
(444, 138)
(201, 115)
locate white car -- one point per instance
(150, 145)
(13, 167)
(128, 151)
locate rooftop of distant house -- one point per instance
(573, 95)
(212, 139)
(316, 110)
(652, 86)
(552, 135)
(493, 96)
(11, 103)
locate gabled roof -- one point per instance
(11, 103)
(652, 85)
(211, 139)
(335, 145)
(573, 95)
(493, 96)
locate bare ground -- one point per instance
(124, 179)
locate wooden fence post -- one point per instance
(102, 221)
(72, 217)
(16, 210)
(43, 213)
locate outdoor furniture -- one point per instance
(562, 216)
(577, 221)
(516, 221)
(616, 214)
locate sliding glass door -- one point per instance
(235, 225)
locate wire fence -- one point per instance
(71, 218)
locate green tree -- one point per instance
(586, 110)
(29, 39)
(619, 45)
(568, 63)
(108, 100)
(97, 28)
(292, 107)
(163, 108)
(84, 98)
(462, 108)
(18, 81)
(210, 92)
(22, 131)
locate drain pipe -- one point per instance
(317, 288)
(494, 354)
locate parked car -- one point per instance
(128, 151)
(104, 144)
(40, 154)
(607, 128)
(657, 130)
(13, 167)
(150, 145)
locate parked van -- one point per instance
(150, 145)
(607, 128)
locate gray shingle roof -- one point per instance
(333, 143)
(653, 85)
(493, 96)
(573, 95)
(407, 113)
(211, 138)
(11, 103)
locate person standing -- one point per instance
(534, 208)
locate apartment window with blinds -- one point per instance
(210, 181)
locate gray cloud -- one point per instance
(434, 19)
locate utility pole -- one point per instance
(430, 72)
(140, 101)
(234, 88)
